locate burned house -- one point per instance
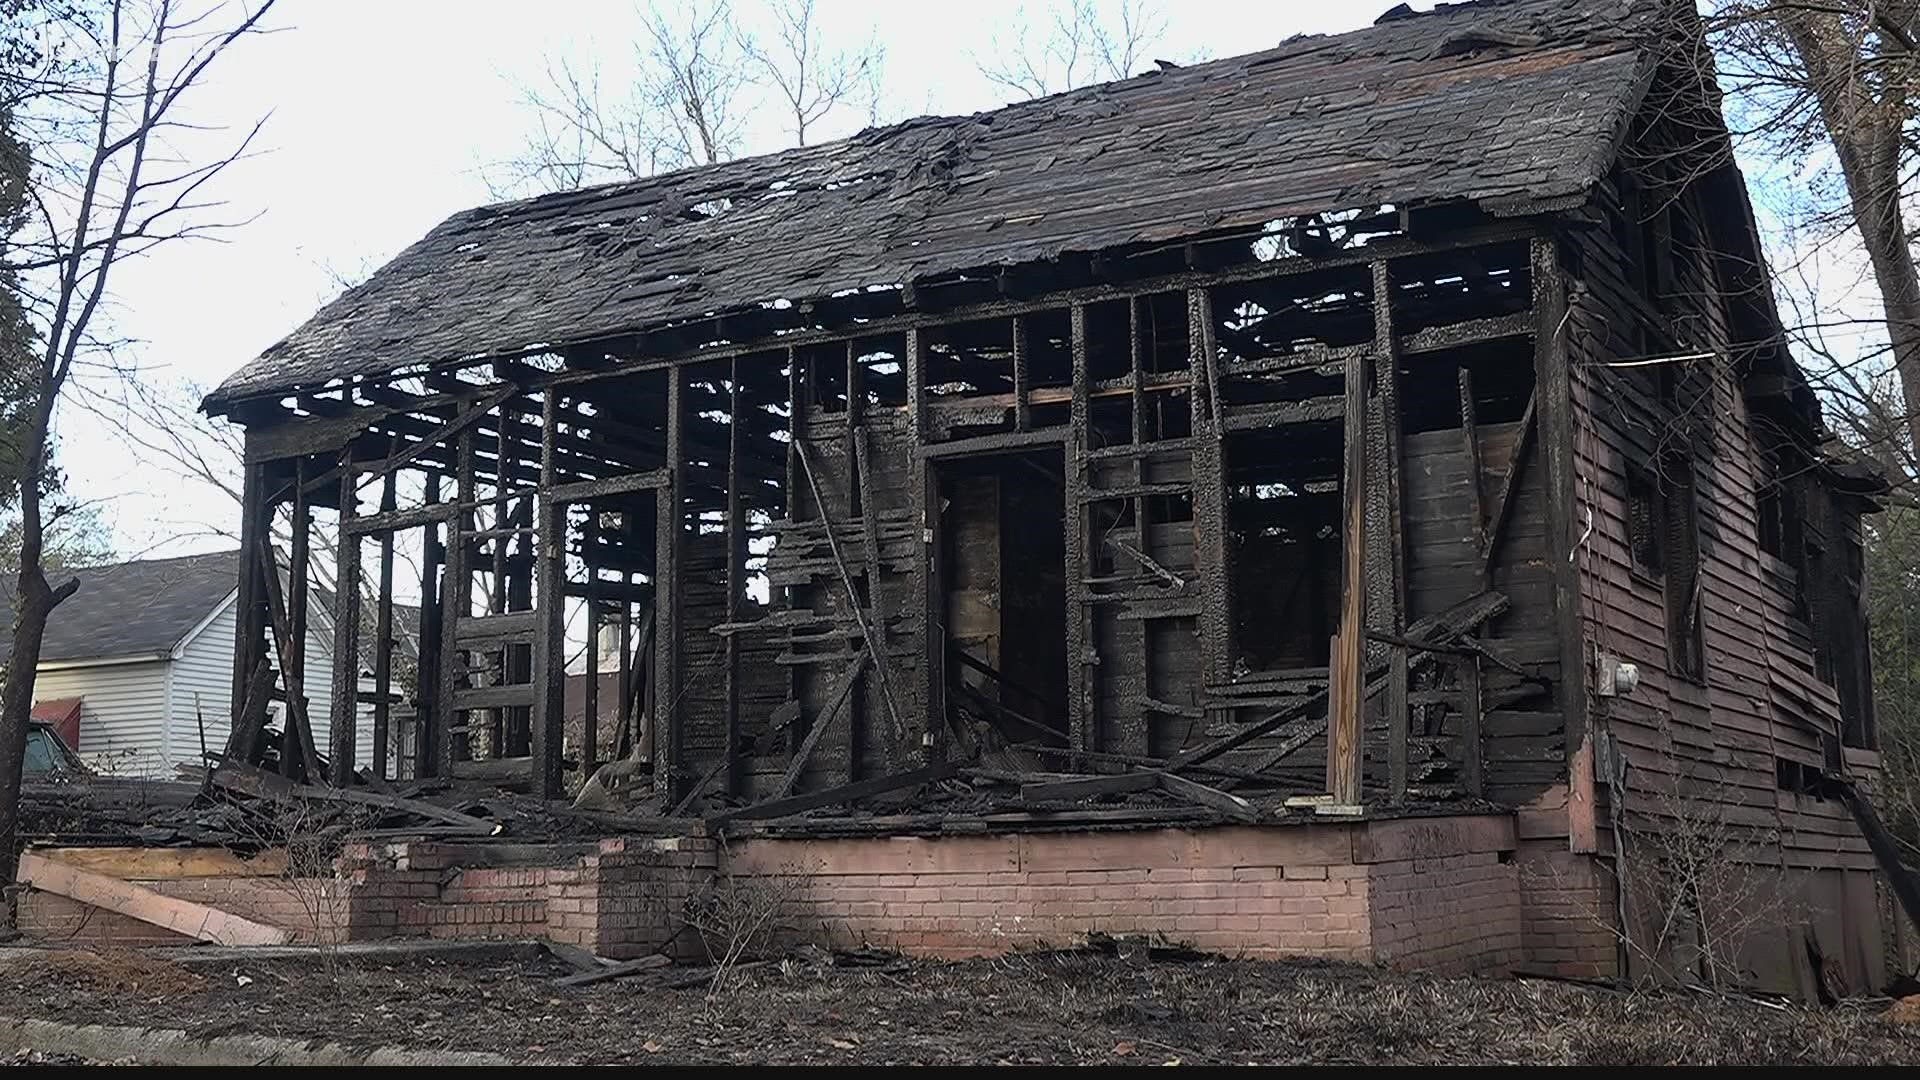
(1364, 480)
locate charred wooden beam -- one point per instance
(383, 640)
(842, 690)
(861, 789)
(1553, 391)
(549, 674)
(1082, 719)
(345, 713)
(667, 584)
(1504, 499)
(1391, 594)
(854, 606)
(429, 731)
(456, 601)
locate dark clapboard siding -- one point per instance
(1761, 698)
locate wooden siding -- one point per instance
(1761, 698)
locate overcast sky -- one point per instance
(384, 117)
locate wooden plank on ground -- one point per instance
(197, 921)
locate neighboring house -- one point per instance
(136, 671)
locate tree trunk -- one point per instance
(1867, 145)
(35, 602)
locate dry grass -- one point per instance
(113, 971)
(1026, 1009)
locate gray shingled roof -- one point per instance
(145, 608)
(1513, 104)
(132, 609)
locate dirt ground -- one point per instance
(1042, 1008)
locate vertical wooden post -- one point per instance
(428, 721)
(1473, 710)
(549, 674)
(1392, 598)
(1211, 556)
(740, 403)
(456, 602)
(1082, 721)
(1022, 377)
(346, 632)
(1476, 502)
(299, 555)
(1344, 745)
(926, 575)
(590, 687)
(667, 675)
(1553, 393)
(1136, 738)
(250, 630)
(383, 636)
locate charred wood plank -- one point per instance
(247, 780)
(861, 789)
(842, 690)
(1211, 797)
(1441, 628)
(1503, 499)
(1088, 787)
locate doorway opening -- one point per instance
(1002, 575)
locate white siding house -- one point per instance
(165, 672)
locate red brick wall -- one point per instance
(54, 920)
(1307, 890)
(1434, 892)
(1568, 911)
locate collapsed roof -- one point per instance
(1513, 105)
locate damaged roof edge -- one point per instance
(1519, 116)
(223, 401)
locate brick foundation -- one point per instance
(1440, 893)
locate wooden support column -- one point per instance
(1082, 721)
(1477, 503)
(428, 721)
(456, 601)
(590, 687)
(1022, 378)
(1392, 598)
(926, 576)
(1346, 669)
(549, 674)
(1211, 557)
(346, 633)
(383, 637)
(1136, 738)
(1553, 398)
(245, 724)
(1474, 710)
(293, 655)
(668, 543)
(739, 403)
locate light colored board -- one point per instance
(197, 921)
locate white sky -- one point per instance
(384, 113)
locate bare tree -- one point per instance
(702, 73)
(107, 183)
(1844, 76)
(681, 107)
(811, 78)
(1078, 44)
